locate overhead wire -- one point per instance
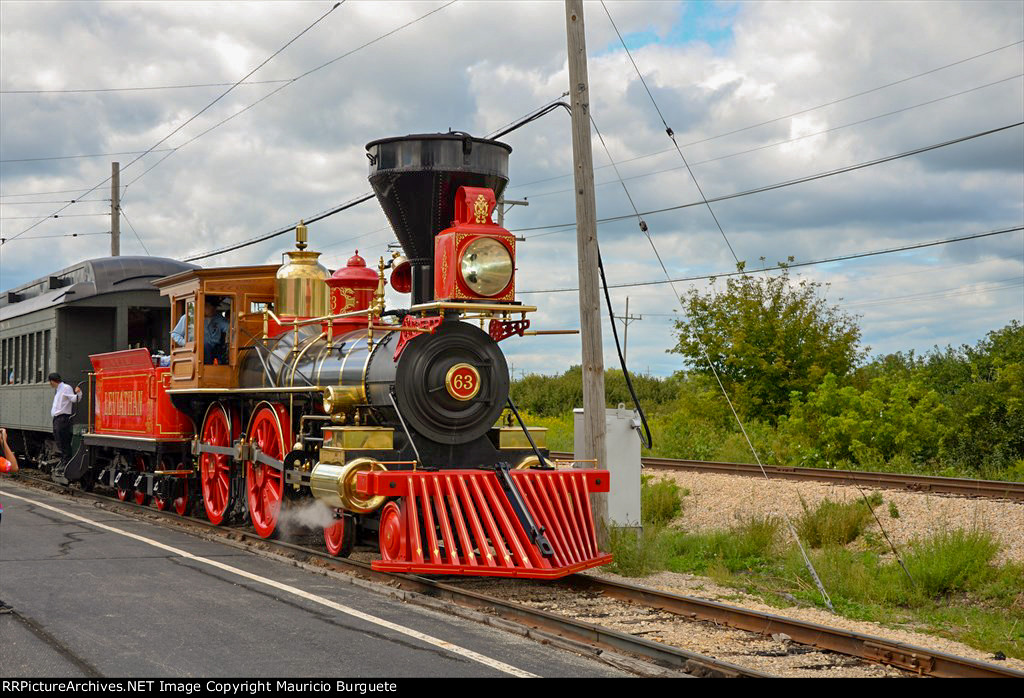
(121, 210)
(785, 116)
(280, 231)
(197, 114)
(292, 81)
(784, 142)
(795, 265)
(780, 185)
(59, 235)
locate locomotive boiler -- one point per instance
(396, 420)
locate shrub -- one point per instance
(747, 546)
(951, 561)
(835, 523)
(659, 500)
(635, 552)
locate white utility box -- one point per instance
(623, 441)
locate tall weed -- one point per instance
(835, 523)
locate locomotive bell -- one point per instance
(300, 286)
(401, 274)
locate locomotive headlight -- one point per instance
(486, 266)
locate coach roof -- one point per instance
(92, 277)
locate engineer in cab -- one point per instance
(215, 332)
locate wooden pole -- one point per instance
(115, 209)
(594, 445)
(626, 319)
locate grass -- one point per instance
(747, 547)
(660, 500)
(952, 585)
(835, 523)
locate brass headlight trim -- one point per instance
(486, 267)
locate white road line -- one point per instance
(430, 640)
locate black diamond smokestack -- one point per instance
(415, 179)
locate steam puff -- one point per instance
(299, 518)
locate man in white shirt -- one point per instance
(61, 413)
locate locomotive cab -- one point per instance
(223, 314)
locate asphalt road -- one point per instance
(88, 600)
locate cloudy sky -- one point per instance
(756, 93)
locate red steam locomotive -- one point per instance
(286, 386)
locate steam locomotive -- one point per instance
(397, 421)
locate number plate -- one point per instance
(462, 382)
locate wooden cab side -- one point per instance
(215, 315)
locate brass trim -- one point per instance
(514, 438)
(451, 388)
(532, 462)
(336, 485)
(471, 307)
(360, 438)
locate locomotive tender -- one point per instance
(386, 416)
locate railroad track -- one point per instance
(966, 487)
(595, 640)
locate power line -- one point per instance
(137, 237)
(196, 115)
(795, 265)
(281, 231)
(60, 235)
(88, 155)
(62, 201)
(672, 136)
(292, 80)
(54, 215)
(779, 185)
(56, 191)
(135, 89)
(785, 116)
(997, 285)
(783, 142)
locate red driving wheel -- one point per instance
(264, 484)
(339, 537)
(392, 532)
(215, 468)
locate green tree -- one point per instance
(767, 337)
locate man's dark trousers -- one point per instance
(62, 433)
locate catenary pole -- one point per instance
(594, 446)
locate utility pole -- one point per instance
(626, 319)
(115, 209)
(502, 202)
(594, 445)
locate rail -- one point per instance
(995, 489)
